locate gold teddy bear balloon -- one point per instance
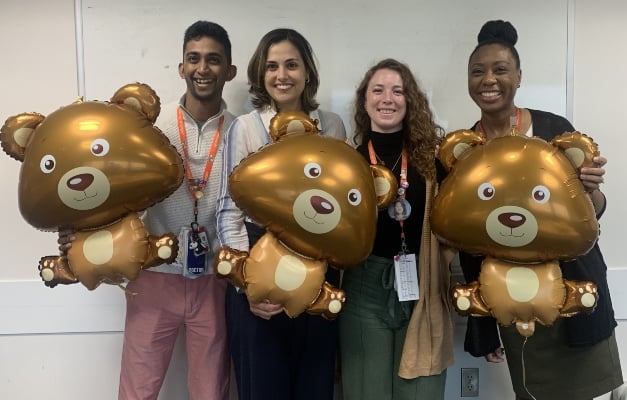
(519, 201)
(89, 167)
(316, 197)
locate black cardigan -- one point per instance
(583, 330)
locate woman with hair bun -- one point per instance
(577, 357)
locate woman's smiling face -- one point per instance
(385, 101)
(493, 77)
(285, 76)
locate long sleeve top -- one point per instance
(177, 211)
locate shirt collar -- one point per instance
(213, 118)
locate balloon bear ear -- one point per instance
(17, 131)
(578, 147)
(288, 122)
(385, 185)
(455, 144)
(140, 97)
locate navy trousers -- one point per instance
(281, 358)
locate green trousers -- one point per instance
(372, 326)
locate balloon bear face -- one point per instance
(90, 167)
(315, 193)
(515, 198)
(89, 163)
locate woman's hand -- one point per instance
(265, 309)
(66, 237)
(497, 356)
(592, 177)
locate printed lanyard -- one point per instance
(404, 184)
(196, 189)
(515, 128)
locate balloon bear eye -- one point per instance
(312, 170)
(485, 191)
(541, 194)
(99, 147)
(354, 197)
(47, 164)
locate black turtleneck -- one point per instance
(387, 242)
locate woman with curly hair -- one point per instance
(397, 344)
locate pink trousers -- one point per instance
(157, 305)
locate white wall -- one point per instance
(65, 343)
(348, 36)
(600, 103)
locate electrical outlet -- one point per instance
(470, 382)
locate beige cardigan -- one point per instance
(429, 348)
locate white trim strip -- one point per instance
(29, 307)
(570, 60)
(80, 54)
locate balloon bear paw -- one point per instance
(329, 302)
(580, 297)
(55, 270)
(229, 264)
(467, 300)
(167, 247)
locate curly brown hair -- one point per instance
(421, 134)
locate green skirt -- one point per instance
(544, 367)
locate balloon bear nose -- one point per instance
(80, 182)
(512, 220)
(321, 205)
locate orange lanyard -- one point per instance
(517, 126)
(197, 190)
(404, 184)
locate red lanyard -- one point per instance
(404, 184)
(517, 126)
(197, 190)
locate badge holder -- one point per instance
(405, 268)
(197, 247)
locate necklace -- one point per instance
(514, 123)
(378, 160)
(383, 162)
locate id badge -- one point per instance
(406, 277)
(197, 245)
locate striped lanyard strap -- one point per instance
(197, 187)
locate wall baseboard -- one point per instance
(28, 307)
